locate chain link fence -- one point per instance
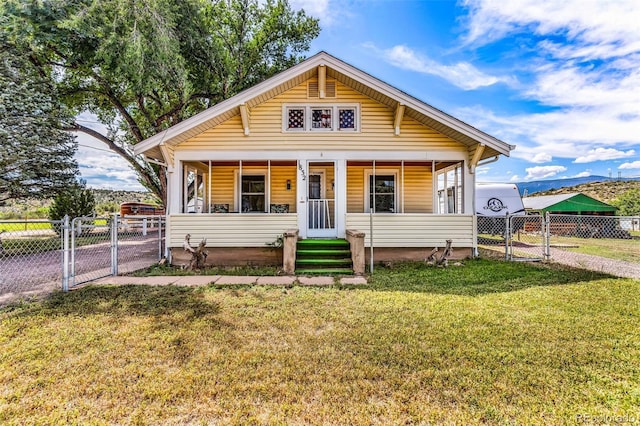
(603, 243)
(40, 256)
(30, 257)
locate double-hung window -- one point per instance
(253, 193)
(382, 192)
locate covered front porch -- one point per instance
(251, 203)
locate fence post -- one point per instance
(65, 254)
(160, 254)
(144, 226)
(547, 236)
(72, 266)
(114, 245)
(507, 229)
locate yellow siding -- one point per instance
(377, 132)
(418, 193)
(355, 189)
(230, 230)
(418, 189)
(222, 181)
(279, 192)
(414, 230)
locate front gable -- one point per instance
(388, 118)
(375, 127)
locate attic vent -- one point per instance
(330, 90)
(314, 93)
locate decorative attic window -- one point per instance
(326, 118)
(321, 118)
(295, 118)
(313, 90)
(347, 118)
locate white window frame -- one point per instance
(457, 185)
(322, 107)
(367, 192)
(285, 118)
(308, 116)
(237, 193)
(356, 118)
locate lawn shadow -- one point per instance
(474, 277)
(132, 300)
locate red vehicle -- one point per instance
(140, 209)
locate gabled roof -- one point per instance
(358, 80)
(566, 202)
(544, 201)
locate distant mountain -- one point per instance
(530, 188)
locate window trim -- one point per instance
(367, 192)
(308, 117)
(237, 195)
(285, 118)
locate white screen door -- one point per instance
(321, 200)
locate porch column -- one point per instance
(340, 194)
(301, 197)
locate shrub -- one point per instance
(76, 201)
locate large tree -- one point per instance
(144, 65)
(36, 154)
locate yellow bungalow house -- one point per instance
(324, 149)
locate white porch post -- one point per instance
(469, 189)
(301, 197)
(340, 194)
(174, 184)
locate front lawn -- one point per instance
(488, 342)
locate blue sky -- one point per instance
(558, 79)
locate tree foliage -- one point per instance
(628, 203)
(144, 65)
(76, 201)
(36, 154)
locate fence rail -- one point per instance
(38, 256)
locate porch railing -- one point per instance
(320, 212)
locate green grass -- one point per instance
(619, 249)
(484, 343)
(24, 226)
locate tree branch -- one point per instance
(142, 172)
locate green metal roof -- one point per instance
(566, 203)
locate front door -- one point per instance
(321, 206)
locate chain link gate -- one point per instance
(526, 238)
(92, 244)
(37, 256)
(104, 247)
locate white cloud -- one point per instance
(600, 154)
(325, 10)
(543, 172)
(632, 165)
(588, 23)
(102, 168)
(462, 74)
(585, 65)
(515, 178)
(586, 173)
(541, 157)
